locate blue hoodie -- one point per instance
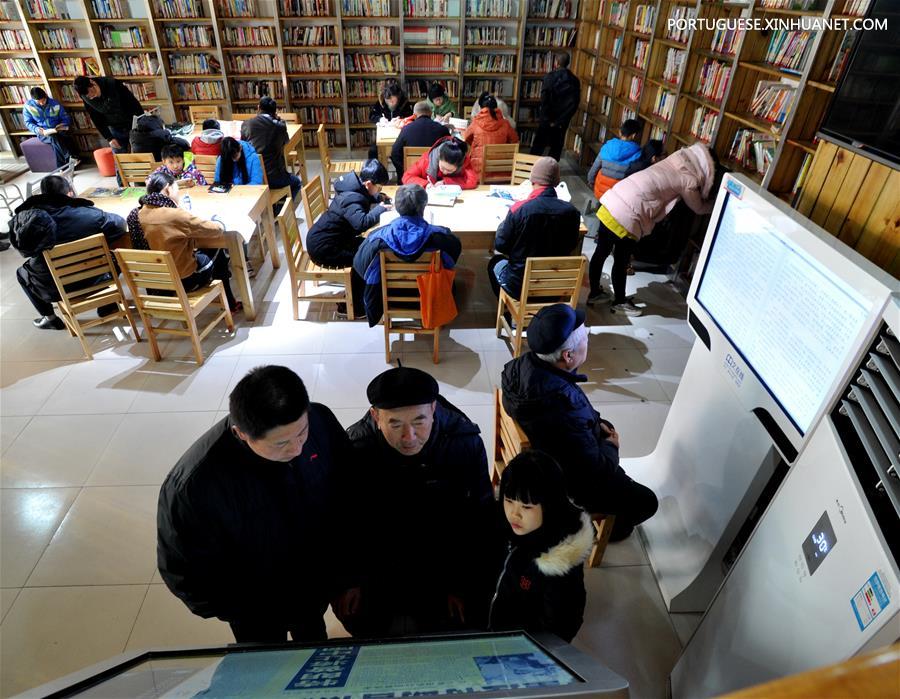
(49, 116)
(407, 237)
(614, 157)
(254, 167)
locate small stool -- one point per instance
(40, 156)
(106, 163)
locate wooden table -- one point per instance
(241, 203)
(233, 129)
(384, 140)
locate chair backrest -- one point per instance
(467, 112)
(206, 164)
(242, 116)
(399, 288)
(154, 270)
(411, 154)
(522, 164)
(262, 165)
(135, 168)
(289, 117)
(313, 200)
(201, 113)
(510, 439)
(322, 138)
(551, 280)
(290, 237)
(87, 258)
(497, 162)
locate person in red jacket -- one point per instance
(447, 162)
(488, 127)
(209, 142)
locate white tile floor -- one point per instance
(82, 460)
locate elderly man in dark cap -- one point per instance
(540, 226)
(541, 392)
(425, 511)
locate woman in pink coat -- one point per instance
(630, 209)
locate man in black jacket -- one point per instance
(560, 96)
(111, 106)
(268, 134)
(419, 133)
(250, 520)
(54, 216)
(540, 392)
(540, 226)
(150, 135)
(426, 507)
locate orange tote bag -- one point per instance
(436, 292)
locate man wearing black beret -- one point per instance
(541, 392)
(425, 511)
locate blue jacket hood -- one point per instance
(406, 235)
(620, 151)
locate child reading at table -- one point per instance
(173, 164)
(238, 163)
(446, 162)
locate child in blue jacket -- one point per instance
(615, 156)
(42, 113)
(238, 163)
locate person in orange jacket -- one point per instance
(488, 127)
(447, 162)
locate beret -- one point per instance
(402, 387)
(551, 326)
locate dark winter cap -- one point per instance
(551, 326)
(545, 171)
(401, 387)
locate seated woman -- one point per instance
(447, 162)
(159, 223)
(238, 163)
(393, 103)
(442, 107)
(488, 127)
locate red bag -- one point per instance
(436, 293)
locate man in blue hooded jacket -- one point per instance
(407, 237)
(42, 114)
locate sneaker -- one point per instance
(53, 322)
(601, 296)
(627, 308)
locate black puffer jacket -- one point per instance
(560, 95)
(150, 134)
(352, 211)
(380, 109)
(44, 220)
(558, 419)
(543, 590)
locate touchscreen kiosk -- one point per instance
(780, 310)
(487, 665)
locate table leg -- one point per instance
(239, 274)
(268, 230)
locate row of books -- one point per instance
(772, 101)
(71, 66)
(618, 14)
(534, 62)
(841, 57)
(108, 9)
(80, 120)
(713, 79)
(550, 36)
(473, 88)
(606, 103)
(531, 89)
(616, 47)
(788, 4)
(641, 54)
(173, 9)
(321, 115)
(674, 65)
(254, 89)
(369, 36)
(678, 13)
(371, 63)
(236, 8)
(361, 138)
(142, 91)
(205, 91)
(366, 8)
(663, 104)
(725, 40)
(364, 87)
(419, 88)
(752, 149)
(253, 63)
(188, 37)
(315, 89)
(635, 88)
(657, 133)
(194, 64)
(87, 143)
(313, 63)
(56, 38)
(305, 8)
(17, 40)
(486, 36)
(526, 138)
(131, 38)
(44, 9)
(296, 35)
(610, 77)
(788, 49)
(248, 36)
(489, 63)
(17, 121)
(68, 94)
(857, 8)
(488, 8)
(553, 9)
(643, 19)
(359, 115)
(14, 94)
(433, 35)
(433, 62)
(431, 8)
(133, 64)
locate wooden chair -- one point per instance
(289, 117)
(81, 261)
(201, 113)
(332, 167)
(135, 168)
(522, 164)
(547, 280)
(206, 164)
(146, 271)
(510, 440)
(401, 301)
(301, 268)
(497, 162)
(296, 159)
(411, 154)
(313, 201)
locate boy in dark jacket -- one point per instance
(268, 134)
(408, 237)
(420, 133)
(392, 104)
(560, 96)
(540, 392)
(150, 135)
(426, 500)
(540, 226)
(40, 222)
(111, 106)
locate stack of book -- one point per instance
(674, 66)
(486, 36)
(131, 38)
(628, 113)
(664, 103)
(357, 35)
(610, 77)
(772, 100)
(296, 35)
(725, 40)
(434, 62)
(366, 8)
(248, 36)
(643, 19)
(713, 79)
(703, 124)
(305, 8)
(253, 63)
(788, 49)
(641, 54)
(133, 64)
(752, 149)
(313, 63)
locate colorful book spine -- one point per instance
(488, 8)
(305, 8)
(366, 8)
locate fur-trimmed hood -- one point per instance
(570, 552)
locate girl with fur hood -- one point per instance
(541, 585)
